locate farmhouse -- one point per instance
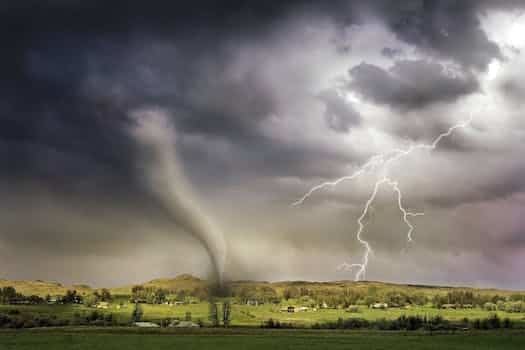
(289, 308)
(379, 306)
(352, 308)
(449, 306)
(102, 305)
(146, 325)
(184, 324)
(53, 300)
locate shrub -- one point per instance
(271, 323)
(490, 306)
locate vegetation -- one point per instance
(299, 304)
(256, 339)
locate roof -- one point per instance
(186, 324)
(146, 324)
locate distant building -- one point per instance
(184, 324)
(290, 309)
(52, 300)
(352, 308)
(379, 306)
(102, 305)
(146, 325)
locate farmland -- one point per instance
(245, 315)
(254, 303)
(280, 315)
(80, 339)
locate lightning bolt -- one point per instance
(382, 161)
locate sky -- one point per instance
(147, 139)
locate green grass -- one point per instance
(258, 339)
(244, 315)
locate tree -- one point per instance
(291, 293)
(226, 313)
(137, 313)
(488, 306)
(72, 297)
(105, 295)
(213, 314)
(181, 295)
(90, 300)
(8, 293)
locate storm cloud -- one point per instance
(410, 84)
(268, 99)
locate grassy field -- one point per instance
(244, 315)
(256, 339)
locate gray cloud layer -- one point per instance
(410, 84)
(267, 99)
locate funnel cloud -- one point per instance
(142, 140)
(164, 176)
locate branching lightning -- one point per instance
(383, 162)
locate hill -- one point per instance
(187, 282)
(181, 282)
(42, 288)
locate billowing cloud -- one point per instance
(267, 99)
(410, 84)
(339, 114)
(446, 29)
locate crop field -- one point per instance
(254, 339)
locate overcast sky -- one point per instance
(260, 102)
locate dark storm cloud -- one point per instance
(72, 71)
(410, 84)
(339, 114)
(447, 29)
(390, 52)
(71, 60)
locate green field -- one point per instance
(255, 339)
(244, 315)
(187, 296)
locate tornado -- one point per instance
(164, 176)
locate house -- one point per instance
(324, 305)
(302, 309)
(449, 306)
(184, 324)
(52, 300)
(379, 306)
(146, 325)
(102, 305)
(352, 308)
(290, 309)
